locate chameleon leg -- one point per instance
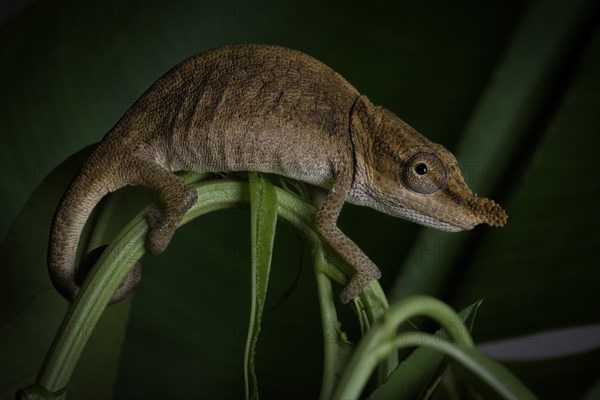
(326, 221)
(177, 198)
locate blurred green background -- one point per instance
(511, 86)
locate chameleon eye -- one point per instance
(421, 169)
(424, 173)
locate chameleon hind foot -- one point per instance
(162, 224)
(357, 284)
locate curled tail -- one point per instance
(85, 191)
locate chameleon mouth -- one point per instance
(475, 211)
(464, 215)
(439, 218)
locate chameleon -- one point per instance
(267, 109)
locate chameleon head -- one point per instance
(400, 172)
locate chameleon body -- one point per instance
(267, 109)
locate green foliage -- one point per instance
(263, 202)
(379, 343)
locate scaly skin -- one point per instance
(267, 109)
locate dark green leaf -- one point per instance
(263, 210)
(498, 133)
(543, 264)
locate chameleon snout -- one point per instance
(487, 211)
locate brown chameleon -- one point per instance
(275, 110)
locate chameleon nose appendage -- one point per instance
(488, 211)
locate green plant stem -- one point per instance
(495, 376)
(336, 349)
(375, 345)
(372, 298)
(104, 278)
(82, 316)
(127, 249)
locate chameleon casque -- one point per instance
(267, 109)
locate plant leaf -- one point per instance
(263, 211)
(421, 371)
(490, 376)
(383, 339)
(498, 130)
(552, 236)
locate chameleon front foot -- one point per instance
(357, 284)
(162, 225)
(161, 230)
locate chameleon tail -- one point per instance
(85, 191)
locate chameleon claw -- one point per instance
(357, 284)
(160, 232)
(153, 218)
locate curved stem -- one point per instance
(494, 375)
(372, 347)
(105, 277)
(127, 249)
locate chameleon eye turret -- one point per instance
(424, 173)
